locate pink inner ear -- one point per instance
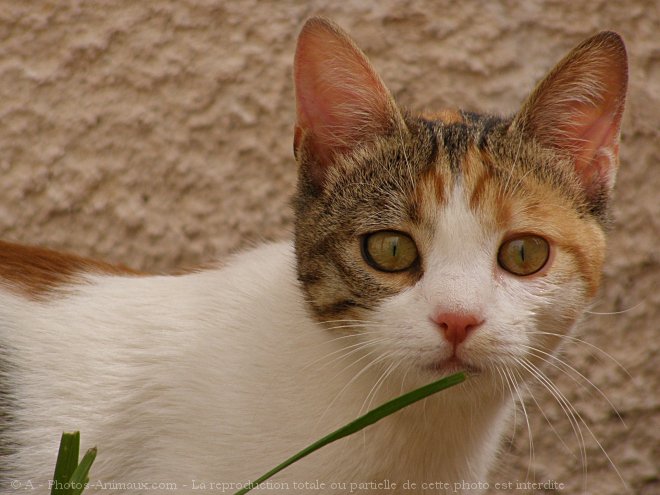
(330, 114)
(597, 147)
(578, 107)
(341, 101)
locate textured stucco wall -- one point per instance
(158, 134)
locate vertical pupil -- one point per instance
(522, 252)
(394, 246)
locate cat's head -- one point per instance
(453, 240)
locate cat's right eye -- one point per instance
(389, 251)
(524, 255)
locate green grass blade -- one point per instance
(80, 477)
(363, 421)
(67, 460)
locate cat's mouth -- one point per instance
(453, 365)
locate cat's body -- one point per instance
(423, 246)
(177, 400)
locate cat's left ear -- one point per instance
(577, 109)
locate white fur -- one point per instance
(218, 376)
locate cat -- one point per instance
(423, 245)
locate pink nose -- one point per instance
(456, 326)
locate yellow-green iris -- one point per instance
(524, 255)
(390, 251)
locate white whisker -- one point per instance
(347, 350)
(353, 379)
(547, 420)
(505, 377)
(563, 363)
(595, 347)
(532, 458)
(379, 383)
(615, 312)
(565, 405)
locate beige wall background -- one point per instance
(158, 134)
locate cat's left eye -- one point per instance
(389, 251)
(524, 255)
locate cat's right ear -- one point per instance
(577, 110)
(341, 102)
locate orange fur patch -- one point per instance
(445, 116)
(434, 184)
(581, 239)
(429, 194)
(484, 191)
(539, 209)
(37, 272)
